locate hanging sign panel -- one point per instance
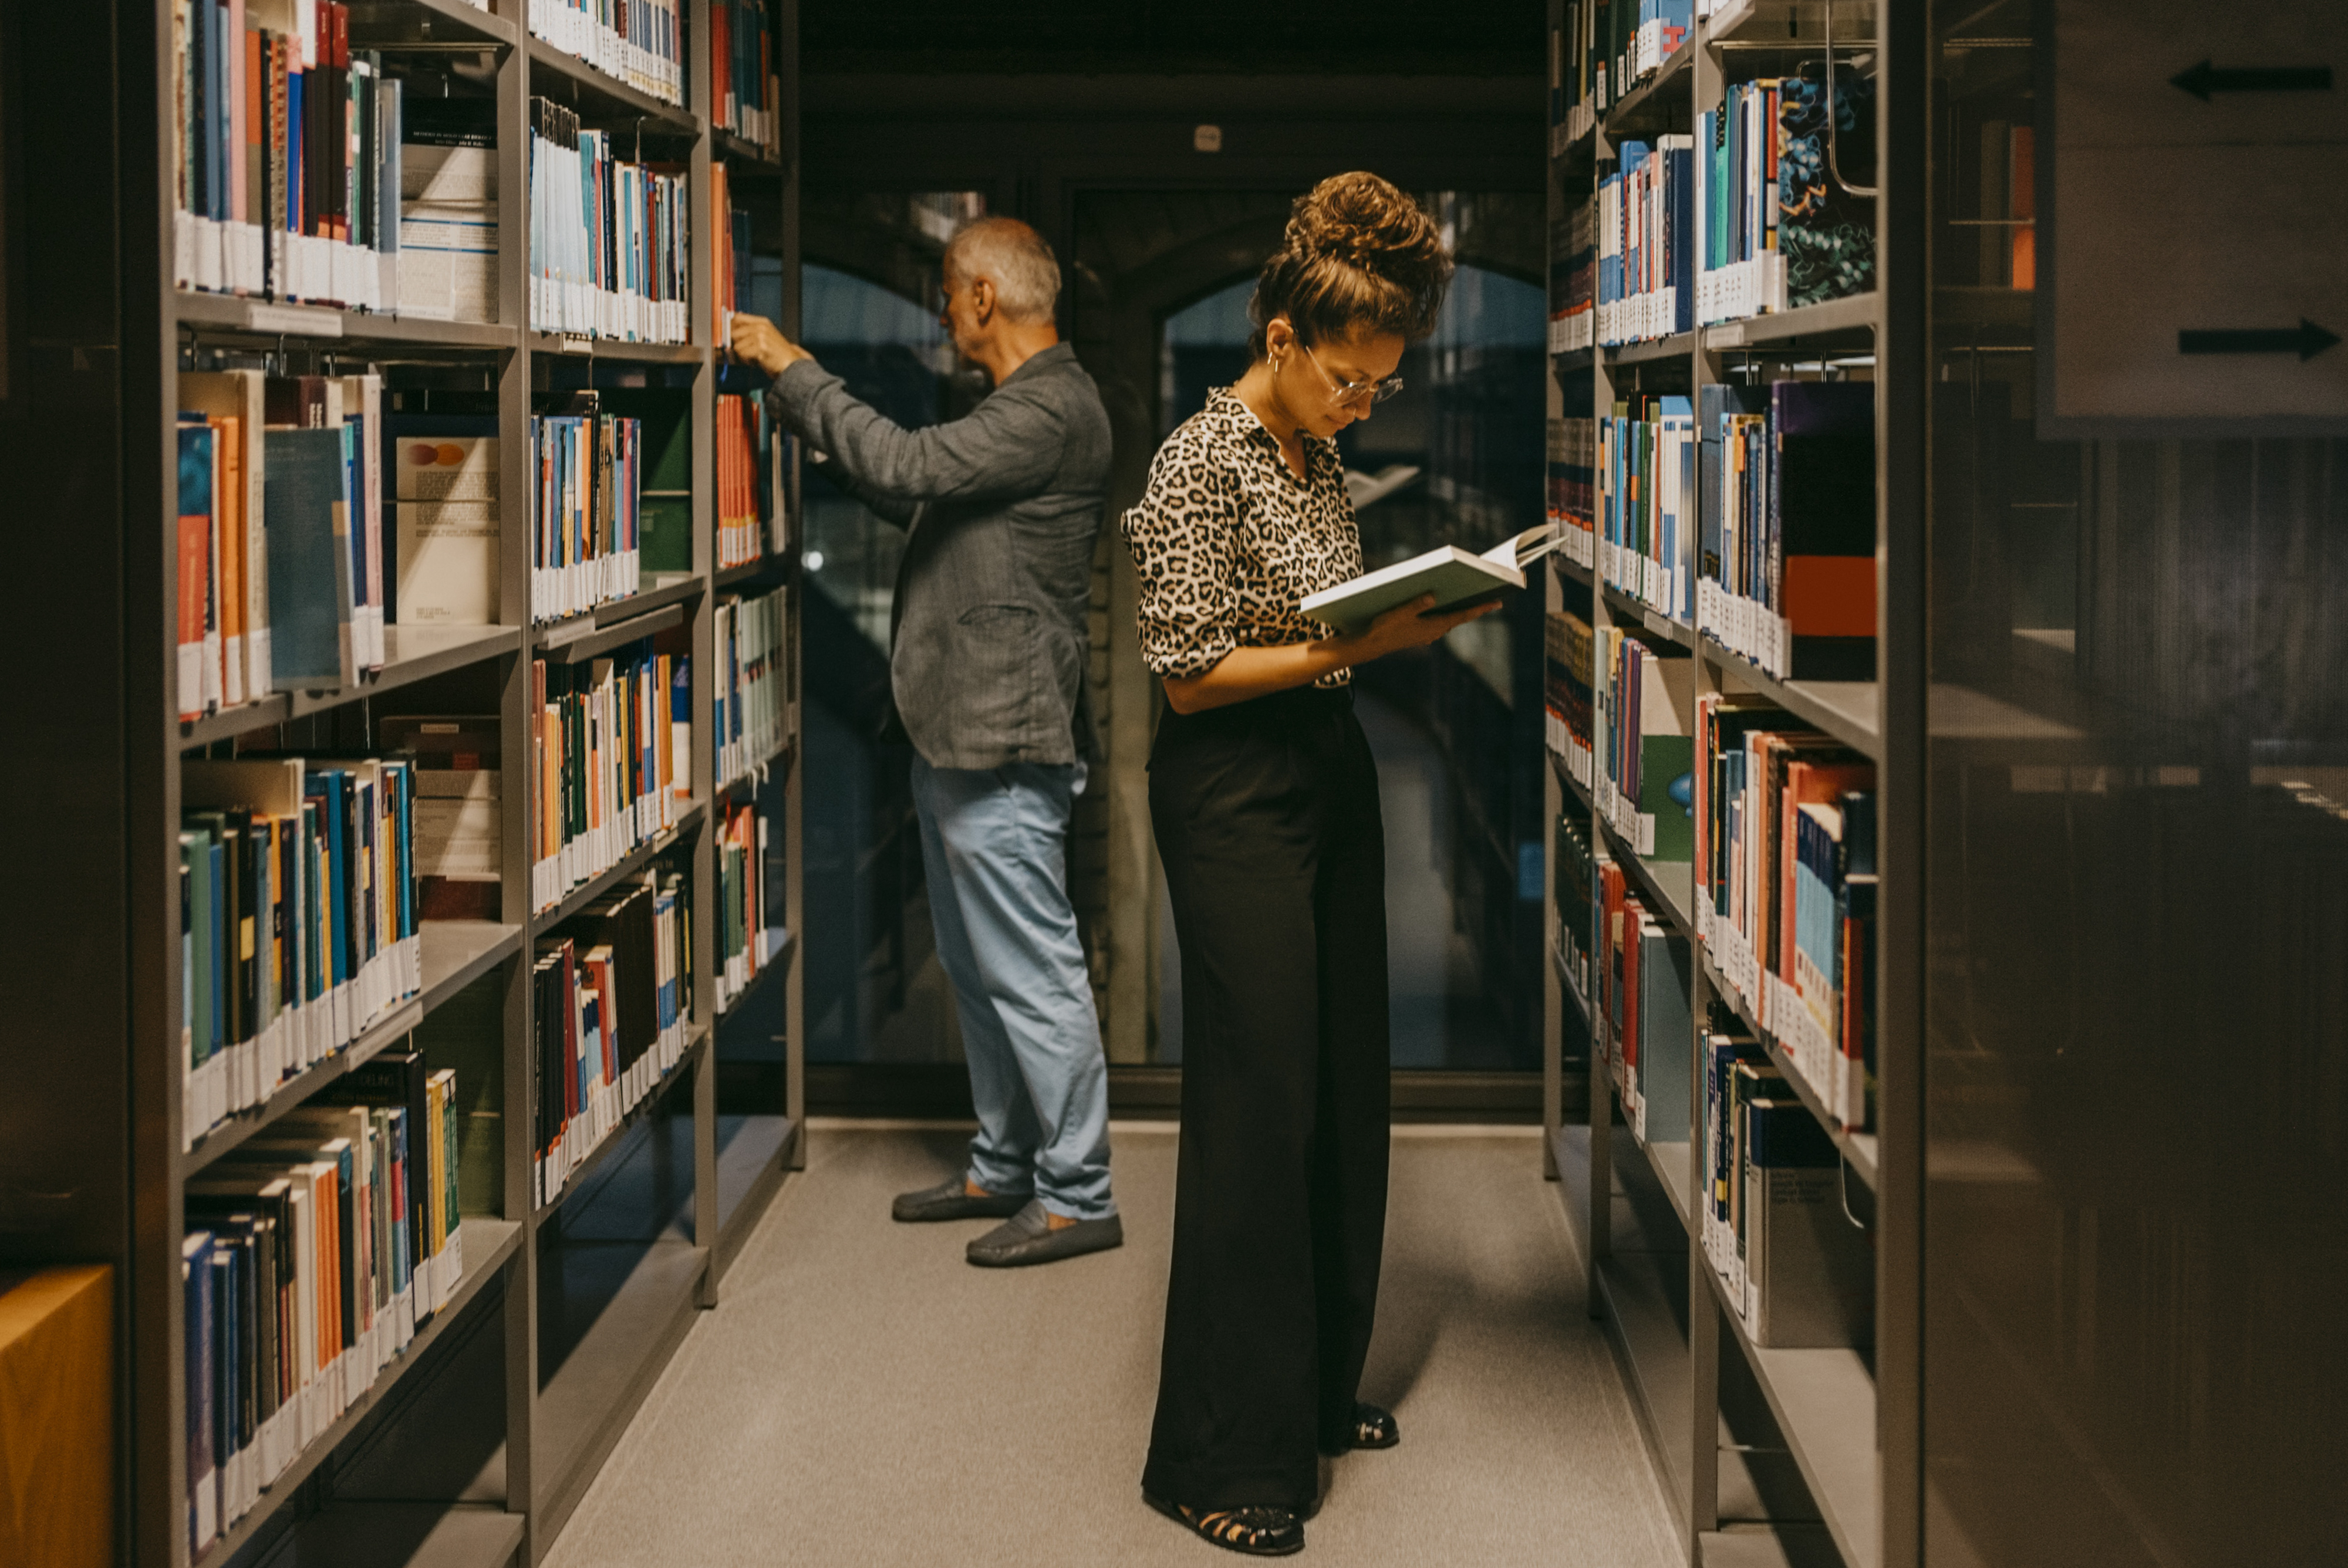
(2195, 207)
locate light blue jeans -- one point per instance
(994, 843)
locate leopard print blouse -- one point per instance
(1226, 540)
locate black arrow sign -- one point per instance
(2306, 340)
(2205, 79)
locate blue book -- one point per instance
(306, 512)
(196, 1308)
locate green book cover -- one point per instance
(1666, 793)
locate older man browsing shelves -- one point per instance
(987, 658)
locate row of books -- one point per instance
(1576, 892)
(286, 153)
(1740, 272)
(1567, 693)
(748, 94)
(1754, 520)
(1784, 888)
(608, 236)
(1646, 503)
(1646, 242)
(279, 540)
(586, 510)
(312, 1252)
(612, 1008)
(1644, 972)
(1572, 478)
(746, 441)
(298, 918)
(638, 42)
(1773, 1219)
(612, 752)
(1643, 746)
(1604, 49)
(750, 704)
(1785, 552)
(745, 943)
(1745, 217)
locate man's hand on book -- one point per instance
(757, 341)
(1414, 625)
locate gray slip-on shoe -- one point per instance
(1028, 1237)
(949, 1201)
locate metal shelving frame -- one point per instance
(549, 1462)
(1857, 1455)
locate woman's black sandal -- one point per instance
(1373, 1429)
(1255, 1532)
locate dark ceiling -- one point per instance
(1291, 37)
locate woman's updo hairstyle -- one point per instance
(1359, 254)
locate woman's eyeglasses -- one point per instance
(1349, 393)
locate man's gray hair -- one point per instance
(1014, 258)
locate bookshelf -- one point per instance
(1767, 1455)
(566, 1309)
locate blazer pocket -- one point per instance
(1009, 622)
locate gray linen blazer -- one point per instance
(988, 643)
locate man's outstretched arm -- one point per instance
(1009, 446)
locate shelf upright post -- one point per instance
(1601, 1083)
(701, 281)
(1707, 91)
(1903, 284)
(517, 494)
(787, 48)
(151, 1396)
(1552, 1034)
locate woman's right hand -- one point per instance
(1412, 625)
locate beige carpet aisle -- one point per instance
(863, 1395)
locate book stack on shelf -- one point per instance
(608, 235)
(751, 710)
(745, 943)
(1646, 502)
(746, 96)
(311, 1257)
(1726, 632)
(286, 145)
(298, 920)
(613, 1019)
(1784, 877)
(444, 919)
(587, 509)
(640, 43)
(607, 754)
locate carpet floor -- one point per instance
(860, 1394)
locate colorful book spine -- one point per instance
(608, 237)
(745, 944)
(586, 510)
(640, 43)
(315, 1251)
(301, 926)
(602, 780)
(1784, 889)
(611, 1016)
(751, 700)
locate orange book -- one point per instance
(2022, 177)
(228, 469)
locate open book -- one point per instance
(1455, 578)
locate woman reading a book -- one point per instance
(1264, 801)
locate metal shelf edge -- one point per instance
(596, 1157)
(226, 1134)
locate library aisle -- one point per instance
(861, 1395)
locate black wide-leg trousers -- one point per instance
(1266, 815)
